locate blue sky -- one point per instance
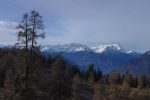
(90, 22)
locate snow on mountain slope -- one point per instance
(45, 48)
(104, 47)
(131, 52)
(76, 47)
(72, 47)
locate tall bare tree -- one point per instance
(30, 29)
(24, 39)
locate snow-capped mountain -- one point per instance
(106, 47)
(72, 47)
(105, 57)
(75, 47)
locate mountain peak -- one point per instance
(147, 53)
(72, 47)
(75, 47)
(104, 47)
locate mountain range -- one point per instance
(106, 57)
(75, 47)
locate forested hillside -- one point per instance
(55, 79)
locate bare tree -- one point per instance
(30, 29)
(36, 31)
(37, 27)
(24, 38)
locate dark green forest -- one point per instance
(25, 74)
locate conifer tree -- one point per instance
(91, 74)
(30, 29)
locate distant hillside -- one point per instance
(140, 66)
(105, 57)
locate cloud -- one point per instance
(6, 24)
(7, 32)
(126, 22)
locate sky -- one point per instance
(90, 22)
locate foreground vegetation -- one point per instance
(51, 78)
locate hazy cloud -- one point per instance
(7, 32)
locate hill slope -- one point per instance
(138, 66)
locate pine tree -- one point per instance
(91, 74)
(99, 74)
